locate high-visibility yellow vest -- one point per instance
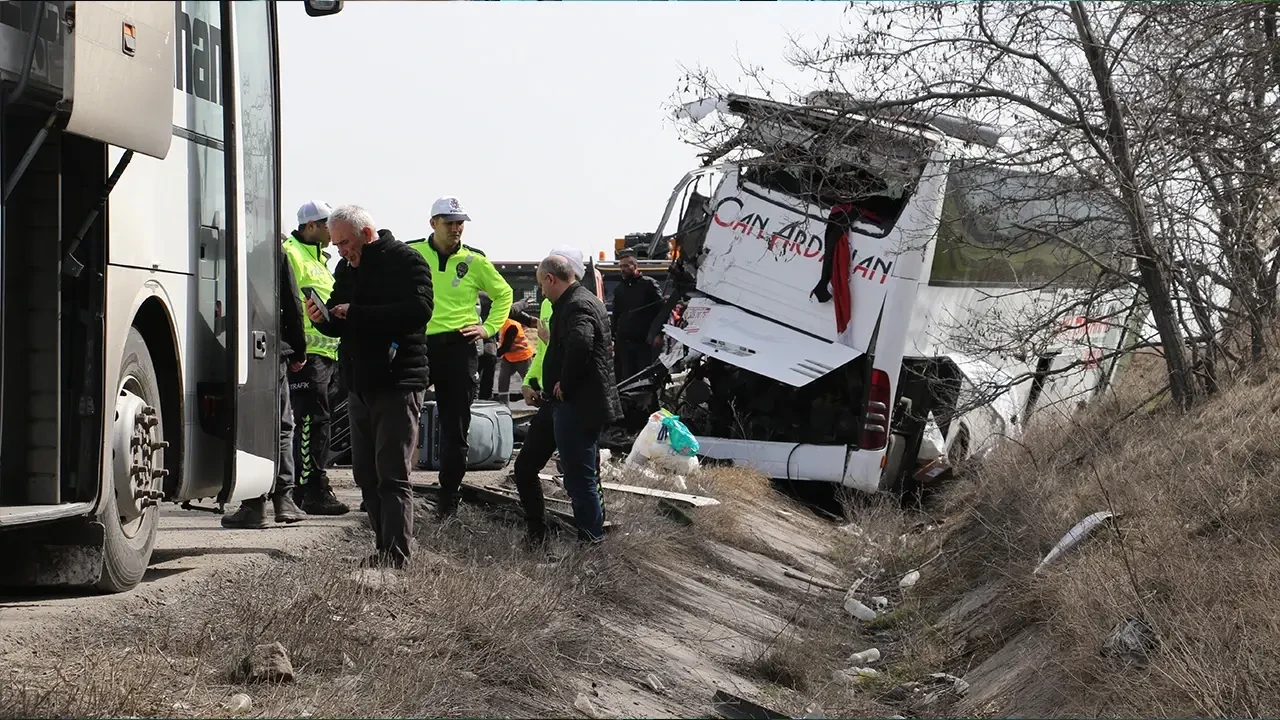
(544, 321)
(310, 270)
(456, 284)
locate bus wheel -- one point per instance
(131, 515)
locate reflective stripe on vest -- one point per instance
(309, 270)
(520, 348)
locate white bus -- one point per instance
(140, 154)
(769, 376)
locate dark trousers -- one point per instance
(556, 426)
(487, 365)
(630, 357)
(506, 370)
(284, 463)
(309, 391)
(384, 432)
(453, 363)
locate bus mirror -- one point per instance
(320, 8)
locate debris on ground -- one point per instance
(732, 707)
(653, 683)
(866, 657)
(909, 580)
(854, 607)
(267, 663)
(583, 704)
(1082, 530)
(1132, 641)
(238, 704)
(809, 579)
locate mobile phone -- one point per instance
(311, 294)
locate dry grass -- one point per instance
(475, 627)
(1194, 552)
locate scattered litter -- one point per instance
(306, 713)
(181, 705)
(909, 579)
(733, 707)
(605, 455)
(238, 704)
(1132, 641)
(683, 498)
(960, 687)
(654, 684)
(584, 706)
(468, 676)
(855, 608)
(1073, 537)
(879, 602)
(866, 657)
(665, 443)
(347, 661)
(268, 663)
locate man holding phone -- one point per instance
(380, 304)
(459, 273)
(310, 384)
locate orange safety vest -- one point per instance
(520, 350)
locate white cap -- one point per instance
(450, 208)
(313, 211)
(574, 256)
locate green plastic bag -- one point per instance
(678, 436)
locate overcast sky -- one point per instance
(548, 120)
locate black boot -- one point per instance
(323, 502)
(252, 515)
(285, 509)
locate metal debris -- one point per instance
(1073, 537)
(732, 707)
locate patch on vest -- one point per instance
(462, 270)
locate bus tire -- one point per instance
(137, 441)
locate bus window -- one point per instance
(1005, 229)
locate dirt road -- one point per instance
(190, 547)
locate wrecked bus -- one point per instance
(822, 281)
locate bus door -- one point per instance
(253, 175)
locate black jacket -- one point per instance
(636, 302)
(390, 302)
(578, 357)
(292, 341)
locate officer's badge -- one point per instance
(462, 269)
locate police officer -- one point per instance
(458, 274)
(310, 387)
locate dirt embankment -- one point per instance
(1163, 610)
(654, 623)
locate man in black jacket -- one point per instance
(637, 300)
(380, 305)
(293, 356)
(580, 397)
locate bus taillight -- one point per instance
(875, 425)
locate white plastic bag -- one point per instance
(649, 450)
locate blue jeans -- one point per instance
(578, 447)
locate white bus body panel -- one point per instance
(119, 74)
(157, 211)
(740, 268)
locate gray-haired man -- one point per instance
(380, 305)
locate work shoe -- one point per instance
(252, 515)
(286, 510)
(323, 502)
